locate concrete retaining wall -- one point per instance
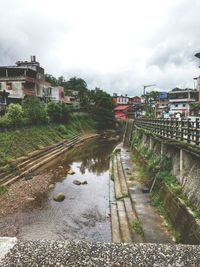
(185, 164)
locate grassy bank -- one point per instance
(19, 142)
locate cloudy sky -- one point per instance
(117, 45)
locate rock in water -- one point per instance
(51, 186)
(71, 172)
(77, 182)
(59, 196)
(84, 182)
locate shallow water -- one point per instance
(84, 214)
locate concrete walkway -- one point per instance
(69, 253)
(132, 205)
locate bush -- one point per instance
(62, 129)
(4, 123)
(58, 112)
(14, 115)
(34, 110)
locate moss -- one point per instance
(137, 227)
(3, 189)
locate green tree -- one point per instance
(58, 112)
(79, 85)
(102, 108)
(34, 110)
(51, 79)
(14, 114)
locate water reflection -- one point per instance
(93, 156)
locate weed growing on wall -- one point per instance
(157, 203)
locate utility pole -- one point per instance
(145, 86)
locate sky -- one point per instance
(116, 45)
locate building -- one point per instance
(120, 100)
(134, 100)
(26, 78)
(121, 112)
(162, 103)
(181, 99)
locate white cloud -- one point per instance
(119, 45)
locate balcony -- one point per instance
(182, 100)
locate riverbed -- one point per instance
(84, 214)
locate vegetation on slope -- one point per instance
(21, 141)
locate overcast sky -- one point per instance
(117, 45)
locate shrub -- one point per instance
(58, 112)
(14, 115)
(34, 110)
(62, 129)
(4, 122)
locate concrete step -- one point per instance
(121, 176)
(21, 164)
(117, 185)
(123, 222)
(32, 166)
(131, 215)
(116, 233)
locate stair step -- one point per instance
(131, 215)
(116, 236)
(118, 191)
(123, 221)
(122, 177)
(42, 161)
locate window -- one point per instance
(9, 86)
(176, 105)
(184, 105)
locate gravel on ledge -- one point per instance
(69, 253)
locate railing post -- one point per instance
(197, 131)
(182, 129)
(188, 130)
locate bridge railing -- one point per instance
(183, 130)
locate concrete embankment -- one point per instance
(72, 254)
(28, 164)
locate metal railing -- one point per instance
(183, 130)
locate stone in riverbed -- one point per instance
(77, 182)
(84, 182)
(71, 172)
(51, 186)
(59, 196)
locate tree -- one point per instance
(102, 108)
(51, 79)
(34, 110)
(14, 114)
(79, 85)
(58, 112)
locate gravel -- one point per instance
(69, 253)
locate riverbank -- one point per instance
(16, 143)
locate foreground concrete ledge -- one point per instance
(69, 253)
(6, 243)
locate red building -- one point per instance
(121, 112)
(134, 99)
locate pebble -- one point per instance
(81, 253)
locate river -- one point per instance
(84, 214)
